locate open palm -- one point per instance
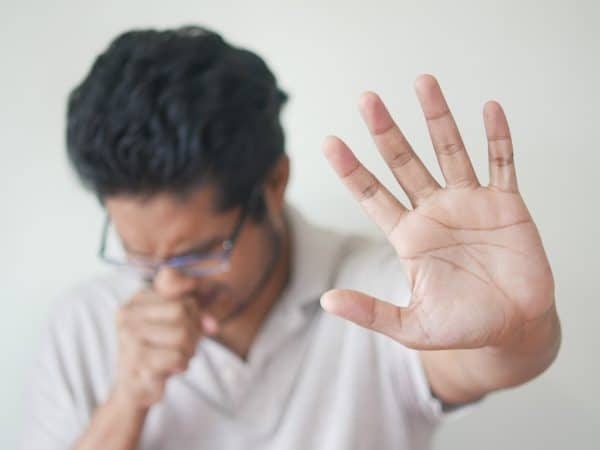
(473, 256)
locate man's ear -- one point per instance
(275, 186)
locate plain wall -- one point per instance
(539, 59)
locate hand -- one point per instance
(477, 269)
(157, 338)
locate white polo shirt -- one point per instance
(311, 380)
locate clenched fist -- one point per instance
(157, 338)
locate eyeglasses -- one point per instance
(193, 264)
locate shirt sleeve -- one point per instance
(71, 372)
(426, 402)
(52, 419)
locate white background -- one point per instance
(539, 59)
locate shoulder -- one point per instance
(93, 298)
(74, 363)
(80, 325)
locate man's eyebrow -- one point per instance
(198, 247)
(201, 247)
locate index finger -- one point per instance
(150, 307)
(385, 209)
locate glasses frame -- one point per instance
(180, 263)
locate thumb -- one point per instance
(369, 312)
(210, 325)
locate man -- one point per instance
(212, 334)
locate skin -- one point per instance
(482, 287)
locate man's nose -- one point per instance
(172, 284)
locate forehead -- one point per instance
(161, 205)
(162, 222)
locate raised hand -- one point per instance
(477, 269)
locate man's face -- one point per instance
(164, 226)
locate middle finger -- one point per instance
(449, 147)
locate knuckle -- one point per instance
(450, 148)
(159, 387)
(141, 357)
(187, 351)
(187, 356)
(151, 379)
(461, 183)
(400, 159)
(423, 192)
(372, 315)
(155, 364)
(502, 160)
(179, 312)
(191, 308)
(176, 311)
(181, 361)
(182, 337)
(369, 190)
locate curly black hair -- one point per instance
(172, 110)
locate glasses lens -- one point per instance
(141, 267)
(114, 253)
(206, 265)
(193, 265)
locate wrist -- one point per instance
(123, 403)
(539, 337)
(117, 423)
(525, 357)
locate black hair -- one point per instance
(173, 110)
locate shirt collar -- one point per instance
(314, 255)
